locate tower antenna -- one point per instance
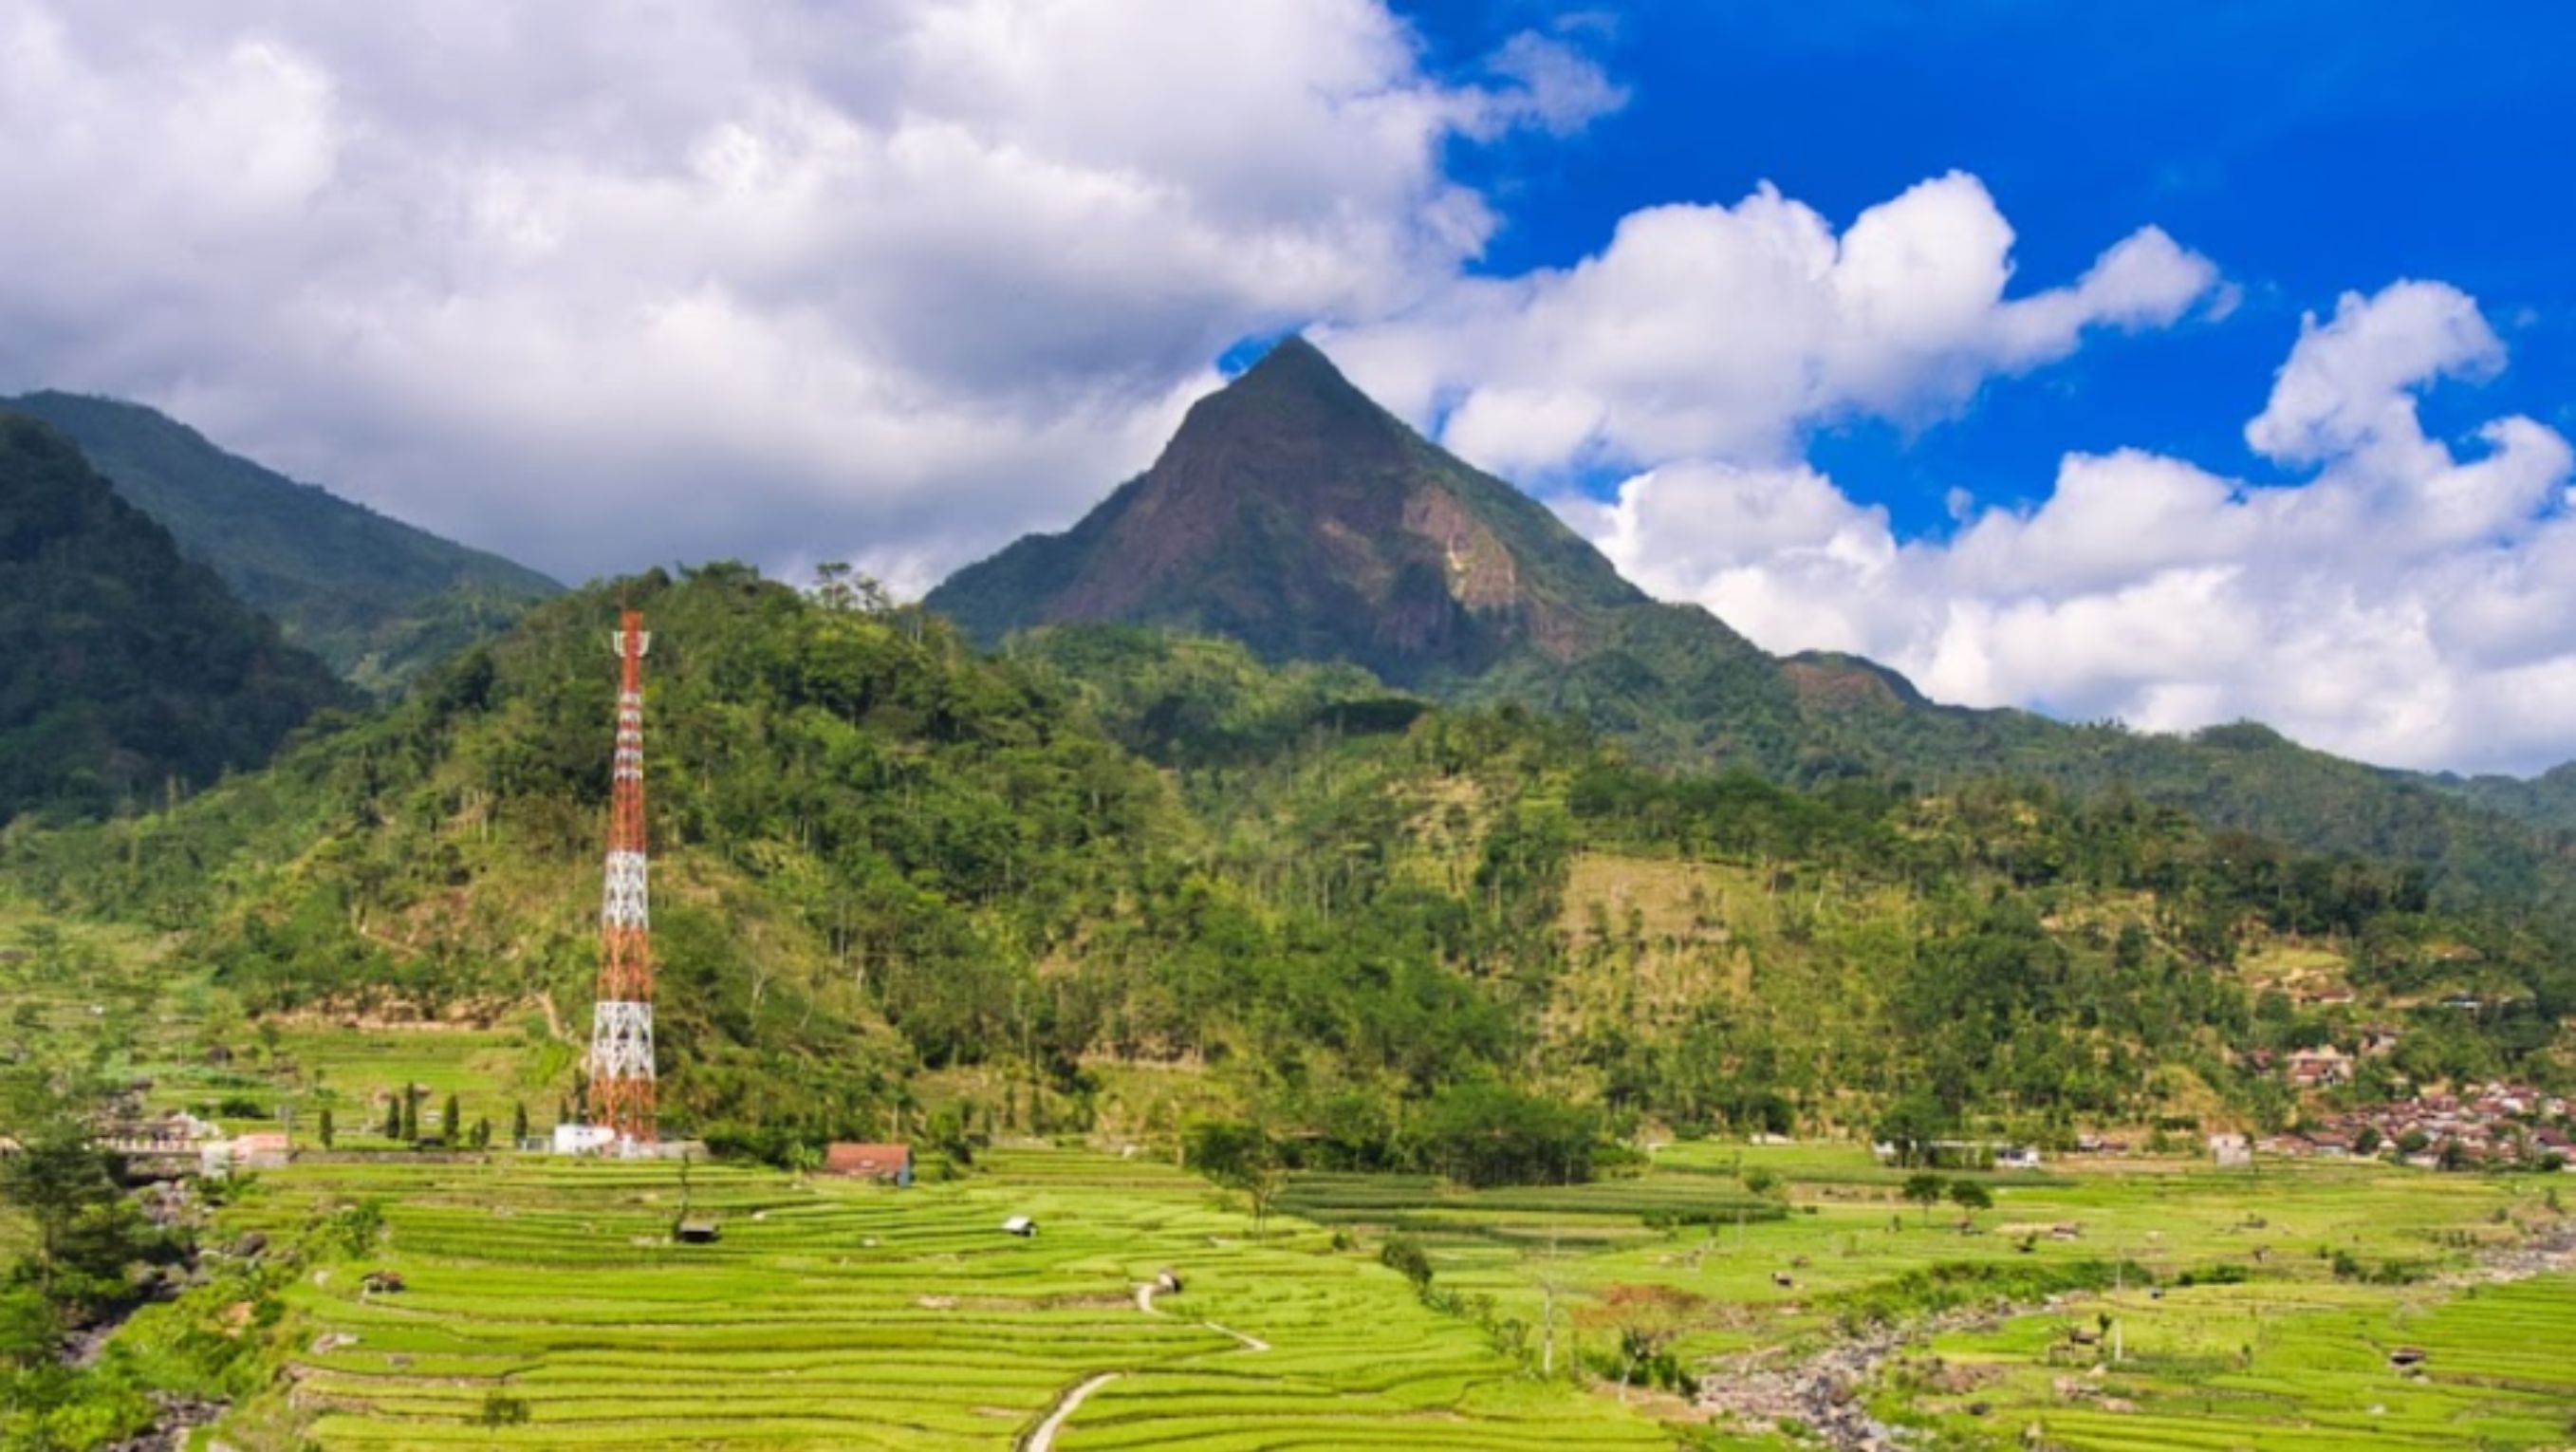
(621, 1023)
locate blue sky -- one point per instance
(2306, 148)
(2003, 382)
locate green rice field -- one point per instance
(833, 1314)
(844, 1315)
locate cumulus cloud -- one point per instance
(602, 286)
(1716, 331)
(2406, 604)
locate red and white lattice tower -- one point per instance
(621, 1025)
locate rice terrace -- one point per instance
(1287, 726)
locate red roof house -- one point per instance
(891, 1163)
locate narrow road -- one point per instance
(1043, 1439)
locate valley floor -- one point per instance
(832, 1314)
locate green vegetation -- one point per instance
(894, 875)
(543, 1304)
(1294, 515)
(1459, 1016)
(377, 599)
(126, 672)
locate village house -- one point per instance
(265, 1150)
(888, 1163)
(2318, 1067)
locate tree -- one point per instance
(1910, 1126)
(518, 1121)
(87, 1232)
(451, 1123)
(1970, 1197)
(31, 1328)
(839, 587)
(1239, 1156)
(1647, 1320)
(1405, 1256)
(393, 1116)
(1925, 1190)
(325, 1129)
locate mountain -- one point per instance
(375, 597)
(123, 665)
(1119, 879)
(2547, 801)
(1293, 514)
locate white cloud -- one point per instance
(602, 286)
(1712, 331)
(2404, 605)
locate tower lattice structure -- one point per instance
(621, 1024)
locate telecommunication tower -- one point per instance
(621, 1024)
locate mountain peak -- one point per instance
(1293, 363)
(1292, 399)
(1292, 513)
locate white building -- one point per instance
(259, 1151)
(583, 1139)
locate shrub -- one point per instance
(1405, 1255)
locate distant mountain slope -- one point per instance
(375, 597)
(1293, 514)
(2547, 801)
(123, 664)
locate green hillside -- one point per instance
(126, 671)
(375, 597)
(2547, 801)
(1050, 889)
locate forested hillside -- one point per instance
(894, 870)
(126, 672)
(373, 596)
(2547, 801)
(1293, 514)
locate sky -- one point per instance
(2172, 365)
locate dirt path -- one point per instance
(1043, 1439)
(1250, 1343)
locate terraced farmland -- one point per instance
(835, 1315)
(2300, 1368)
